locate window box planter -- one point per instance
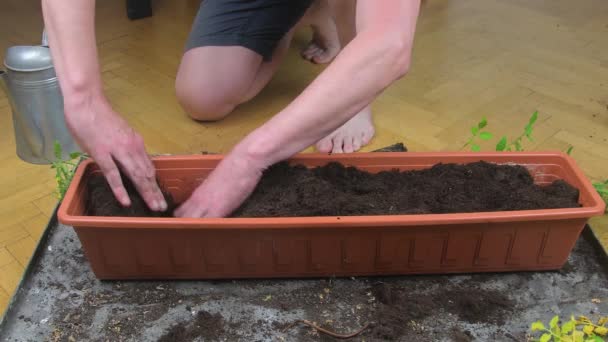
(178, 248)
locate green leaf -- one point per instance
(545, 338)
(568, 327)
(528, 131)
(474, 130)
(475, 148)
(485, 135)
(596, 338)
(483, 123)
(537, 326)
(553, 322)
(57, 150)
(75, 155)
(569, 151)
(556, 330)
(533, 118)
(502, 144)
(518, 146)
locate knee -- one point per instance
(203, 105)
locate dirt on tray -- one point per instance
(336, 190)
(399, 307)
(206, 325)
(65, 302)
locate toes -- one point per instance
(367, 136)
(308, 52)
(347, 146)
(356, 144)
(321, 58)
(324, 146)
(338, 143)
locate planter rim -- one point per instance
(595, 208)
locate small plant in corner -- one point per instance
(569, 331)
(602, 189)
(515, 144)
(478, 133)
(64, 168)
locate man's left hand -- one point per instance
(226, 188)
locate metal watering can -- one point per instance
(33, 91)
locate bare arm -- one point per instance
(71, 31)
(375, 58)
(98, 129)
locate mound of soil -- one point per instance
(336, 190)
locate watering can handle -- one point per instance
(45, 40)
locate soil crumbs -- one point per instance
(336, 190)
(206, 325)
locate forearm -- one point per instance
(70, 27)
(377, 57)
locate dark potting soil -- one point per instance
(101, 200)
(336, 190)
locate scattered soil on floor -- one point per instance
(400, 308)
(336, 190)
(206, 325)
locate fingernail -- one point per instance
(163, 205)
(155, 206)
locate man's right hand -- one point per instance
(114, 145)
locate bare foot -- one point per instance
(354, 134)
(325, 43)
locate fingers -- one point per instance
(139, 169)
(191, 208)
(110, 170)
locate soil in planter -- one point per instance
(336, 190)
(101, 200)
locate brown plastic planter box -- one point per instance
(129, 248)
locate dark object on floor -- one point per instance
(101, 200)
(336, 190)
(398, 147)
(138, 9)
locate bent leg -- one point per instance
(213, 80)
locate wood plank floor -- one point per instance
(502, 59)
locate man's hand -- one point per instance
(379, 55)
(109, 140)
(225, 189)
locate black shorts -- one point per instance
(255, 24)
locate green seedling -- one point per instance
(64, 168)
(602, 189)
(516, 144)
(569, 150)
(478, 132)
(569, 331)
